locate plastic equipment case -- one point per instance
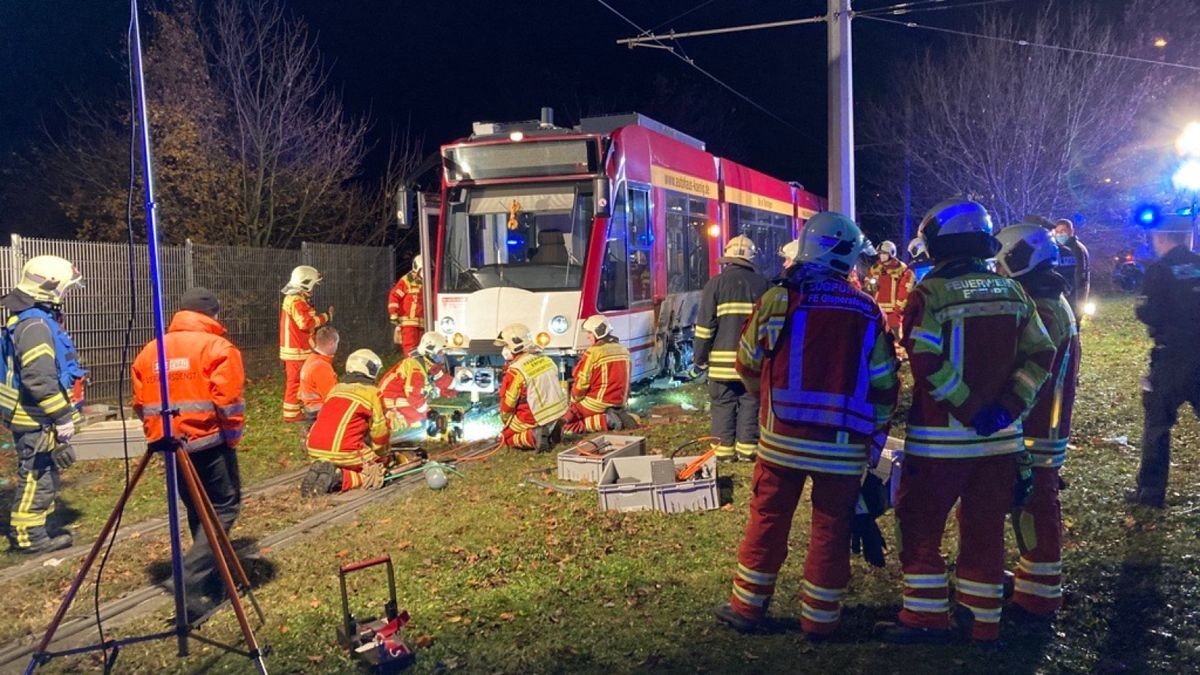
(627, 484)
(585, 461)
(377, 644)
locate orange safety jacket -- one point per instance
(601, 378)
(205, 381)
(531, 394)
(405, 304)
(893, 282)
(297, 321)
(412, 382)
(350, 428)
(316, 379)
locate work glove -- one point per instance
(372, 476)
(990, 419)
(63, 456)
(64, 430)
(865, 538)
(1023, 488)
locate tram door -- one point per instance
(428, 218)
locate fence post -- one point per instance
(18, 258)
(305, 253)
(189, 276)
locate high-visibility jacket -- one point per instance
(1048, 425)
(317, 377)
(44, 362)
(405, 302)
(893, 282)
(351, 427)
(205, 381)
(412, 382)
(531, 393)
(725, 303)
(974, 339)
(297, 321)
(818, 352)
(601, 378)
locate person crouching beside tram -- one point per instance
(1027, 254)
(407, 386)
(600, 386)
(818, 353)
(317, 376)
(979, 355)
(349, 438)
(532, 398)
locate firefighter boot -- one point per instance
(541, 439)
(322, 478)
(628, 419)
(726, 614)
(55, 543)
(612, 420)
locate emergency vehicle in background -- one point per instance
(621, 216)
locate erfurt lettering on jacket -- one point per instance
(974, 288)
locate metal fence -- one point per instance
(246, 280)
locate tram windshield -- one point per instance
(530, 236)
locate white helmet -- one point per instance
(789, 250)
(739, 248)
(831, 240)
(598, 325)
(303, 280)
(888, 248)
(364, 362)
(916, 247)
(958, 226)
(47, 278)
(432, 346)
(516, 338)
(418, 264)
(1023, 248)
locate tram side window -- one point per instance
(640, 241)
(687, 245)
(769, 232)
(614, 275)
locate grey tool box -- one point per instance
(574, 465)
(104, 440)
(626, 484)
(698, 493)
(641, 484)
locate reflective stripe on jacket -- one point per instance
(45, 367)
(893, 283)
(1048, 425)
(317, 378)
(601, 378)
(725, 303)
(412, 382)
(531, 393)
(405, 303)
(297, 321)
(351, 427)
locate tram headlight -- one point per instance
(559, 325)
(458, 340)
(446, 324)
(542, 339)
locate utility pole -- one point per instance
(841, 110)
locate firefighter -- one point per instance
(891, 282)
(205, 383)
(1171, 311)
(317, 376)
(1028, 254)
(600, 386)
(532, 398)
(406, 308)
(726, 301)
(918, 260)
(297, 321)
(818, 353)
(788, 252)
(41, 368)
(979, 355)
(349, 440)
(1074, 264)
(408, 386)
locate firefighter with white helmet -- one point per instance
(406, 308)
(1028, 254)
(532, 398)
(600, 383)
(918, 259)
(408, 386)
(41, 369)
(726, 301)
(297, 323)
(349, 439)
(979, 355)
(818, 352)
(788, 252)
(891, 281)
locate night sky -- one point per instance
(441, 64)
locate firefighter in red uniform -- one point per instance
(532, 398)
(408, 386)
(1027, 254)
(979, 355)
(818, 353)
(600, 386)
(350, 437)
(297, 321)
(406, 308)
(317, 376)
(892, 281)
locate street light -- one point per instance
(1187, 177)
(1188, 143)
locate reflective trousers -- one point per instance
(928, 490)
(220, 478)
(407, 338)
(775, 493)
(37, 487)
(1037, 587)
(580, 420)
(734, 419)
(1173, 381)
(293, 411)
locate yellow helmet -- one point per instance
(739, 248)
(516, 337)
(364, 362)
(303, 280)
(47, 278)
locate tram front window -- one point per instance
(524, 236)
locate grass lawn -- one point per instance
(501, 576)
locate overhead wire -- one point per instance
(677, 17)
(911, 8)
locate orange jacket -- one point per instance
(412, 382)
(893, 282)
(316, 379)
(405, 304)
(205, 382)
(351, 427)
(601, 378)
(297, 321)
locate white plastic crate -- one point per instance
(575, 466)
(699, 493)
(637, 495)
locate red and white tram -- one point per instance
(621, 215)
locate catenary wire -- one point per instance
(677, 17)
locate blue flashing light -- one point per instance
(1147, 215)
(513, 242)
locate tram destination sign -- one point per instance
(525, 159)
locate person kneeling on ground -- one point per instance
(407, 387)
(350, 434)
(532, 399)
(601, 383)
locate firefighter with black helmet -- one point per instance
(41, 369)
(726, 302)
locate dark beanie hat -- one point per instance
(200, 300)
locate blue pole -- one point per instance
(181, 628)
